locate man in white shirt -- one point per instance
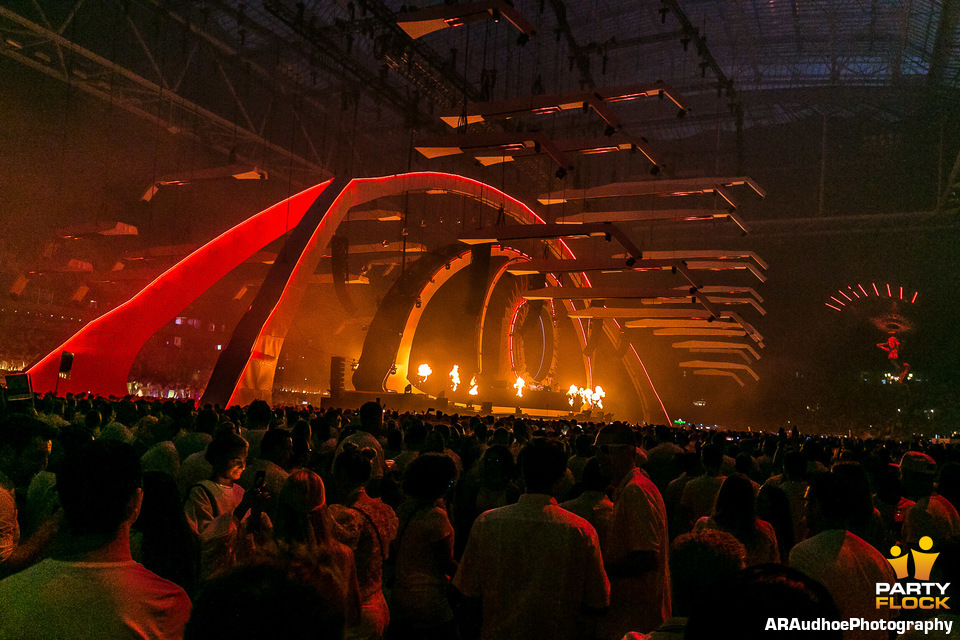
(638, 543)
(94, 589)
(843, 563)
(534, 568)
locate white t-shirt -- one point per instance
(214, 523)
(642, 602)
(850, 569)
(533, 565)
(56, 599)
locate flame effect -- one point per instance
(455, 376)
(590, 398)
(598, 395)
(520, 384)
(424, 371)
(474, 387)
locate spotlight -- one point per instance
(522, 39)
(655, 170)
(681, 113)
(447, 266)
(609, 130)
(631, 261)
(418, 303)
(561, 173)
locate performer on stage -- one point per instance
(892, 347)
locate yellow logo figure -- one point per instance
(898, 562)
(922, 562)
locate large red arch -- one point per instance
(105, 348)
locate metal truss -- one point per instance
(179, 73)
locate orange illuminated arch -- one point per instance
(104, 349)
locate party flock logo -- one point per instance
(921, 594)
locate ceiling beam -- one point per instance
(678, 187)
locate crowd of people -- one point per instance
(128, 518)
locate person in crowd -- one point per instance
(592, 504)
(765, 461)
(260, 601)
(161, 538)
(700, 563)
(302, 436)
(424, 551)
(530, 569)
(497, 487)
(842, 562)
(276, 450)
(258, 417)
(93, 588)
(42, 501)
(304, 544)
(700, 493)
(413, 442)
(157, 436)
(862, 518)
(745, 467)
(741, 607)
(367, 436)
(636, 553)
(663, 460)
(215, 506)
(196, 434)
(735, 513)
(773, 507)
(582, 453)
(367, 526)
(793, 482)
(931, 514)
(25, 445)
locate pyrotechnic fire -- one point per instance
(519, 387)
(590, 398)
(597, 398)
(455, 376)
(424, 371)
(474, 387)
